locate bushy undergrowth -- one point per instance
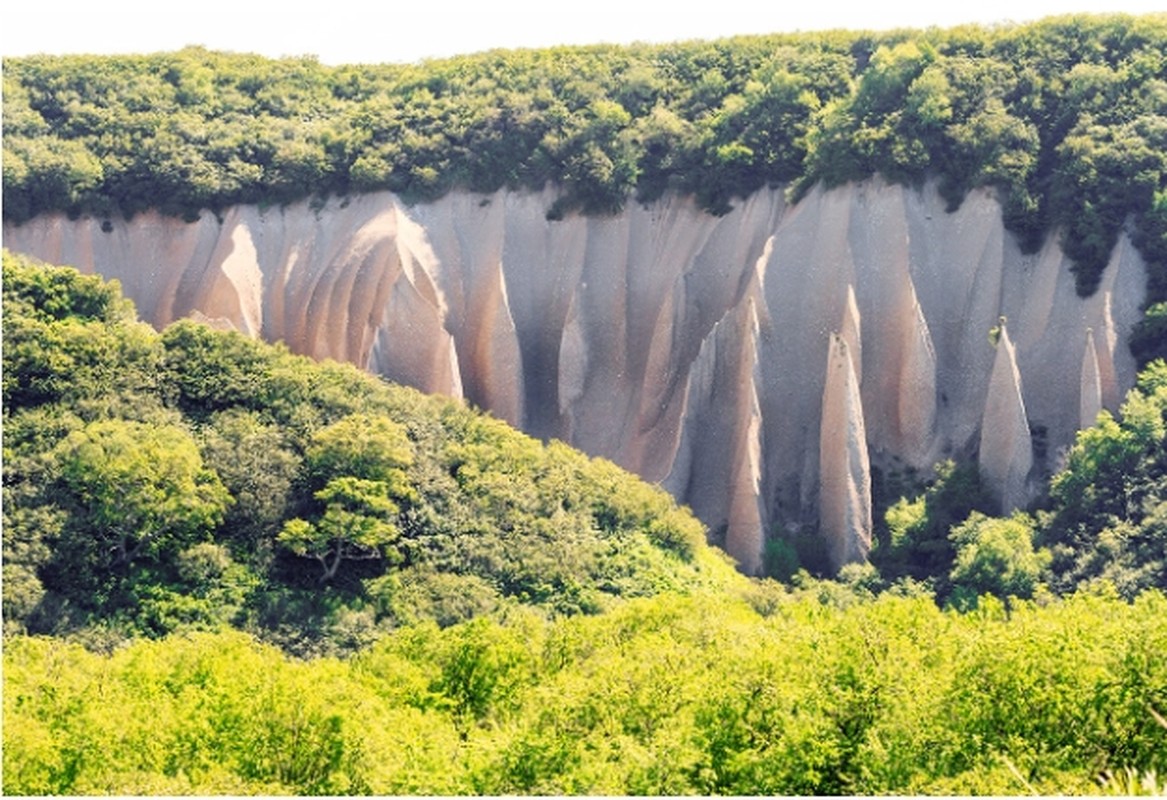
(675, 695)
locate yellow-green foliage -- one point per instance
(1108, 510)
(671, 694)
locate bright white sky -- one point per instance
(352, 31)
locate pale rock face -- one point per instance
(1006, 450)
(717, 463)
(1090, 387)
(852, 335)
(844, 468)
(688, 348)
(916, 399)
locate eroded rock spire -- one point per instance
(844, 468)
(1090, 392)
(1006, 453)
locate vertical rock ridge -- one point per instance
(573, 359)
(244, 300)
(1107, 344)
(916, 403)
(598, 418)
(959, 286)
(879, 239)
(851, 333)
(718, 460)
(497, 368)
(542, 265)
(1124, 282)
(844, 467)
(810, 265)
(466, 234)
(411, 339)
(412, 343)
(1090, 385)
(1005, 447)
(898, 379)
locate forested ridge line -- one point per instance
(1066, 118)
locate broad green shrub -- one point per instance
(995, 556)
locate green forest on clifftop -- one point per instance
(1066, 118)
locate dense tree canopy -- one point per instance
(194, 478)
(1065, 118)
(513, 617)
(669, 695)
(1108, 515)
(136, 490)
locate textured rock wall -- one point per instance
(691, 349)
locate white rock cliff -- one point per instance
(691, 349)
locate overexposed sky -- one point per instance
(348, 31)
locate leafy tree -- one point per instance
(684, 695)
(995, 556)
(1108, 503)
(917, 543)
(28, 533)
(257, 466)
(135, 490)
(364, 446)
(204, 589)
(357, 523)
(212, 371)
(70, 337)
(1149, 337)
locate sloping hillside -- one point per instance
(199, 478)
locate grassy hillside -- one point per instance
(1064, 117)
(199, 479)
